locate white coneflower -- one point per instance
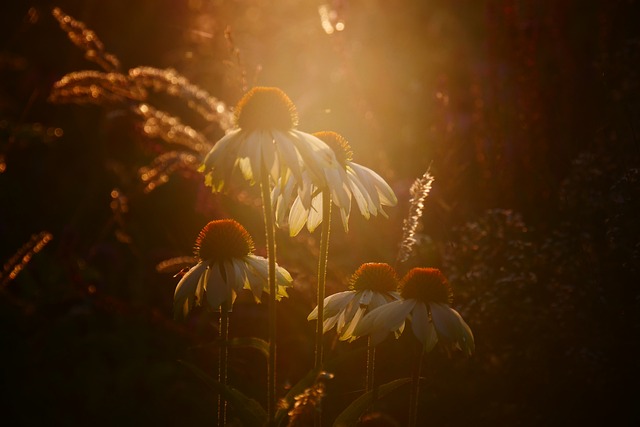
(226, 265)
(426, 296)
(369, 190)
(372, 285)
(266, 140)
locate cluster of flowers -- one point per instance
(300, 175)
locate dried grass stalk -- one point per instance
(86, 40)
(159, 124)
(95, 87)
(164, 165)
(419, 191)
(171, 82)
(21, 258)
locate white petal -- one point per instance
(306, 189)
(269, 157)
(329, 323)
(386, 195)
(385, 319)
(297, 217)
(333, 304)
(450, 325)
(283, 277)
(314, 217)
(219, 149)
(378, 299)
(230, 275)
(288, 153)
(359, 192)
(316, 155)
(347, 334)
(422, 327)
(393, 315)
(215, 287)
(240, 272)
(187, 285)
(337, 182)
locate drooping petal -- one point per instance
(359, 192)
(283, 277)
(348, 313)
(333, 304)
(329, 323)
(306, 190)
(253, 150)
(450, 325)
(240, 273)
(288, 153)
(422, 327)
(219, 149)
(217, 290)
(314, 217)
(187, 285)
(384, 319)
(230, 276)
(316, 156)
(297, 217)
(393, 315)
(383, 193)
(337, 182)
(347, 334)
(270, 158)
(257, 275)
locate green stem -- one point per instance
(271, 255)
(415, 387)
(222, 361)
(322, 273)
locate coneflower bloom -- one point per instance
(266, 140)
(369, 190)
(372, 285)
(226, 265)
(426, 296)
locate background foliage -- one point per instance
(527, 113)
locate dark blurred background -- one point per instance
(526, 113)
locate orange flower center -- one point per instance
(379, 277)
(426, 285)
(266, 108)
(223, 239)
(338, 144)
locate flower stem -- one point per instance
(322, 273)
(371, 362)
(415, 387)
(222, 361)
(271, 255)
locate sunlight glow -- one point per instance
(327, 18)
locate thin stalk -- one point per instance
(222, 361)
(371, 364)
(322, 273)
(271, 255)
(415, 387)
(322, 278)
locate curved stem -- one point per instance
(271, 255)
(222, 361)
(415, 387)
(322, 273)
